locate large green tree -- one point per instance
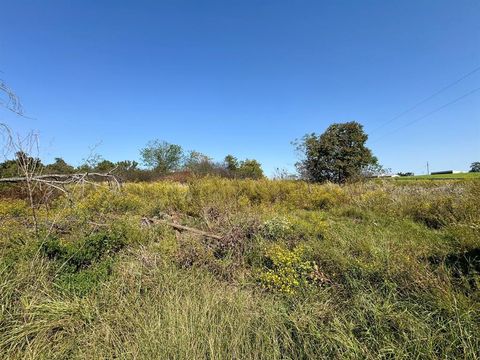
(249, 169)
(162, 156)
(337, 155)
(475, 166)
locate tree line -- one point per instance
(338, 155)
(160, 159)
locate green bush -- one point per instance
(83, 263)
(81, 283)
(276, 228)
(81, 253)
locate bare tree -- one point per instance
(29, 167)
(9, 101)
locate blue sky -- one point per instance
(244, 77)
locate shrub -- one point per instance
(82, 264)
(308, 224)
(276, 228)
(13, 208)
(104, 200)
(83, 282)
(80, 254)
(314, 197)
(285, 270)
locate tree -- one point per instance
(90, 163)
(337, 155)
(249, 169)
(104, 166)
(475, 167)
(59, 166)
(27, 163)
(231, 163)
(128, 170)
(162, 156)
(199, 163)
(126, 165)
(9, 168)
(375, 169)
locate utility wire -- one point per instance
(430, 113)
(426, 99)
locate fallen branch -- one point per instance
(59, 180)
(152, 221)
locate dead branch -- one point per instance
(11, 102)
(152, 221)
(59, 180)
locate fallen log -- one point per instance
(57, 180)
(152, 221)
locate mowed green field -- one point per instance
(460, 176)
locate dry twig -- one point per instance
(152, 221)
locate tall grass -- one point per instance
(386, 270)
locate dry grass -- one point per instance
(386, 270)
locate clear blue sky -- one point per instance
(244, 77)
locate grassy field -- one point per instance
(460, 176)
(375, 270)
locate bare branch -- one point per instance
(11, 102)
(56, 180)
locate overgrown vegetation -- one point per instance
(380, 269)
(162, 160)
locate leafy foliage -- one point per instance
(199, 163)
(276, 228)
(337, 155)
(475, 166)
(84, 263)
(104, 166)
(249, 169)
(13, 167)
(9, 168)
(59, 166)
(162, 156)
(231, 163)
(81, 254)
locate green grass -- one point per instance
(363, 271)
(460, 176)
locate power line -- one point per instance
(430, 113)
(426, 99)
